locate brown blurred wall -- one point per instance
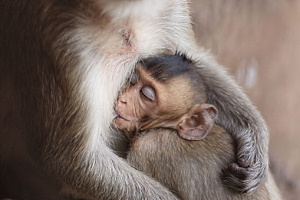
(259, 42)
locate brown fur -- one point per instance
(191, 169)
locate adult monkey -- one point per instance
(62, 65)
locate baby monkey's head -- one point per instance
(166, 92)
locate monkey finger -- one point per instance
(243, 161)
(239, 172)
(236, 184)
(233, 182)
(243, 180)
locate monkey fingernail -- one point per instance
(243, 163)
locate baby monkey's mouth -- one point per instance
(123, 123)
(118, 116)
(122, 118)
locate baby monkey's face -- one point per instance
(138, 106)
(148, 103)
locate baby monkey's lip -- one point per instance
(117, 115)
(120, 117)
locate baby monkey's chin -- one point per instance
(124, 124)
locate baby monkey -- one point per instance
(167, 96)
(165, 92)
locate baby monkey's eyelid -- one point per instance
(148, 92)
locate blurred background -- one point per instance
(259, 43)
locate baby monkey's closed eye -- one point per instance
(148, 92)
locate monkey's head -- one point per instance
(162, 96)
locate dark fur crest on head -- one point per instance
(166, 67)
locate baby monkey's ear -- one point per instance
(196, 124)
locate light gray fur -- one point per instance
(62, 65)
(241, 120)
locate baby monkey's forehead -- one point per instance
(159, 75)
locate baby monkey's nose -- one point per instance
(123, 99)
